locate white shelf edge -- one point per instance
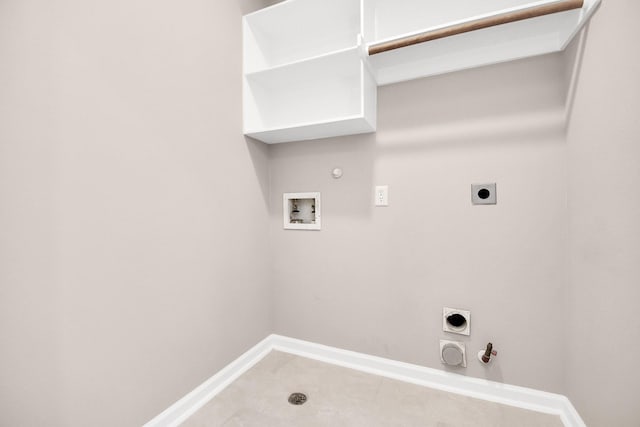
(385, 82)
(462, 21)
(584, 20)
(316, 131)
(354, 48)
(293, 126)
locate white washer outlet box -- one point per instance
(456, 321)
(301, 211)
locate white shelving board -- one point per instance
(330, 95)
(402, 18)
(308, 74)
(295, 30)
(395, 18)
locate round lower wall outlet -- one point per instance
(453, 353)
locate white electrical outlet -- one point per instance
(382, 195)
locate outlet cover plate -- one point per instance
(382, 195)
(484, 194)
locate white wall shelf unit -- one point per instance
(312, 67)
(305, 75)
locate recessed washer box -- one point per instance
(301, 211)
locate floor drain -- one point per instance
(297, 398)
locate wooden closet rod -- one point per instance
(491, 21)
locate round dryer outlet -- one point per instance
(456, 321)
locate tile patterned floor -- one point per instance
(344, 397)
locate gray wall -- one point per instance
(604, 215)
(130, 207)
(137, 248)
(375, 279)
(550, 273)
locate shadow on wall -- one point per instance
(573, 56)
(259, 153)
(503, 103)
(248, 6)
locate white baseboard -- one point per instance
(520, 397)
(177, 413)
